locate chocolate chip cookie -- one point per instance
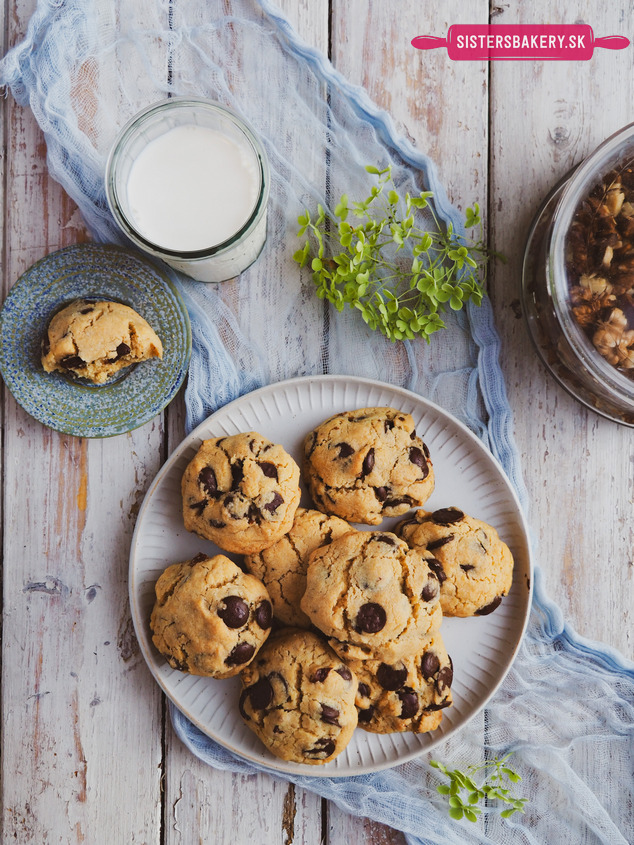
(241, 492)
(474, 567)
(372, 595)
(367, 464)
(210, 618)
(299, 698)
(94, 340)
(407, 695)
(282, 567)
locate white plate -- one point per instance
(482, 648)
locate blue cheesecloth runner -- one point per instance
(566, 708)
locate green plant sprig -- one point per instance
(401, 292)
(494, 787)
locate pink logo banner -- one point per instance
(558, 42)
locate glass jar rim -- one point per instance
(129, 130)
(578, 186)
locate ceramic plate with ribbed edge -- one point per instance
(93, 271)
(482, 648)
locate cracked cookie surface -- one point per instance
(367, 464)
(473, 565)
(372, 595)
(241, 492)
(299, 698)
(282, 567)
(94, 340)
(210, 618)
(407, 695)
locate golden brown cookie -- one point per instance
(94, 340)
(407, 695)
(372, 595)
(282, 567)
(298, 697)
(474, 567)
(367, 464)
(210, 618)
(241, 492)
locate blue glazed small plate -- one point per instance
(93, 271)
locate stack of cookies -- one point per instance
(355, 614)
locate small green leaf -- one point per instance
(472, 216)
(421, 201)
(456, 813)
(341, 209)
(301, 256)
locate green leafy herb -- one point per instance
(464, 794)
(359, 258)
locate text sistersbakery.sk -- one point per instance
(486, 42)
(520, 42)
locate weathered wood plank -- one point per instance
(578, 466)
(438, 105)
(441, 107)
(81, 716)
(218, 805)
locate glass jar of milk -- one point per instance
(187, 180)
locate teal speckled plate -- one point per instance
(93, 271)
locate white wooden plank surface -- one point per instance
(83, 723)
(371, 47)
(579, 468)
(221, 806)
(81, 717)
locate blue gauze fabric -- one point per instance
(566, 709)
